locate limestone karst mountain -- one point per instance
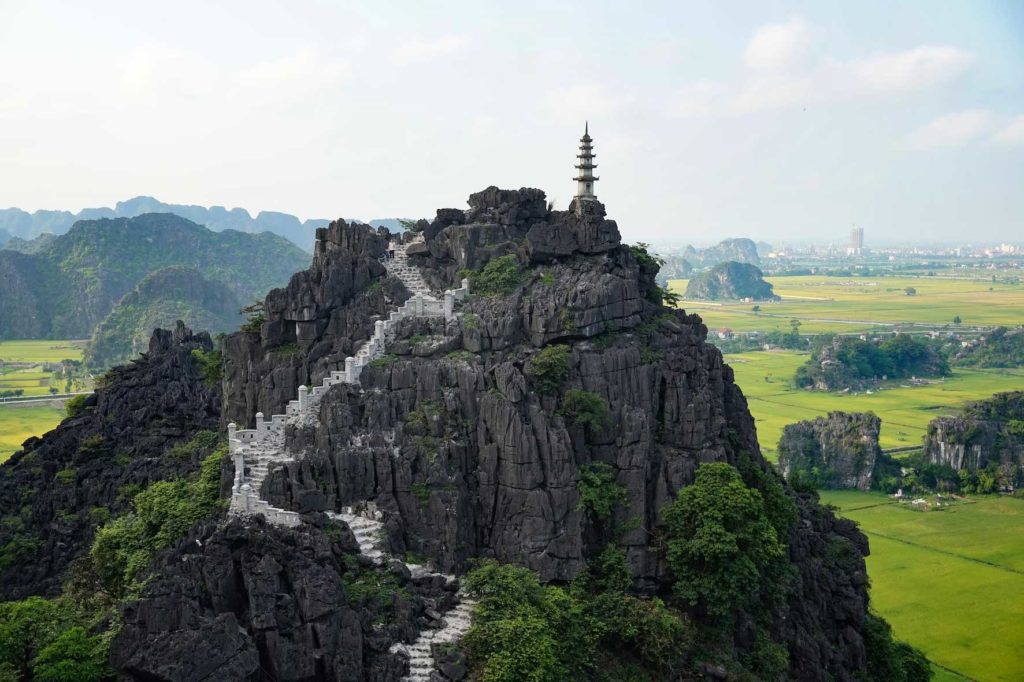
(474, 429)
(989, 435)
(173, 293)
(836, 451)
(730, 280)
(69, 285)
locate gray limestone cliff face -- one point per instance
(311, 325)
(837, 451)
(989, 431)
(467, 454)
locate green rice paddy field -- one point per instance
(766, 378)
(855, 304)
(18, 422)
(950, 582)
(33, 380)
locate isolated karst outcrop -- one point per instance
(836, 451)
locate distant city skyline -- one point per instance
(789, 122)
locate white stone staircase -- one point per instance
(256, 452)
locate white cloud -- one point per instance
(779, 75)
(425, 50)
(951, 130)
(1012, 133)
(916, 69)
(778, 46)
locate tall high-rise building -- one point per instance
(856, 246)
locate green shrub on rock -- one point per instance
(720, 543)
(549, 368)
(599, 492)
(500, 277)
(585, 408)
(163, 513)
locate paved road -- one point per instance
(40, 398)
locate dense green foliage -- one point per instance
(75, 405)
(720, 544)
(162, 514)
(585, 408)
(44, 640)
(211, 366)
(1001, 347)
(890, 660)
(523, 630)
(500, 277)
(549, 368)
(599, 492)
(841, 362)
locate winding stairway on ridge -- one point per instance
(256, 451)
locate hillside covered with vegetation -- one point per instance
(161, 298)
(730, 280)
(842, 362)
(70, 285)
(1001, 347)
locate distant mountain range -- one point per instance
(72, 282)
(21, 225)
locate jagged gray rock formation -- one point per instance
(464, 455)
(988, 431)
(255, 451)
(118, 439)
(837, 451)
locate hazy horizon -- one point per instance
(784, 123)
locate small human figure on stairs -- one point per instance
(392, 245)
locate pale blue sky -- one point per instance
(773, 120)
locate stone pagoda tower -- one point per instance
(585, 179)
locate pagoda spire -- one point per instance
(585, 178)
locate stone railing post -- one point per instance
(232, 428)
(261, 426)
(303, 398)
(239, 472)
(350, 370)
(465, 284)
(417, 304)
(449, 304)
(378, 330)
